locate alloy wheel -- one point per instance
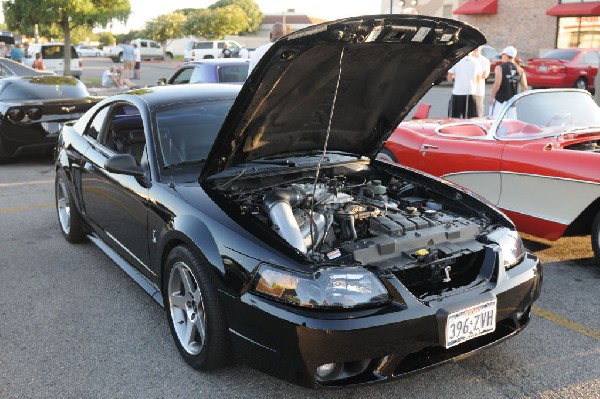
(187, 308)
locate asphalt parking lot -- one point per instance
(72, 324)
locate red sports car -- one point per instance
(563, 68)
(539, 161)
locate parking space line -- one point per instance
(27, 208)
(24, 183)
(563, 321)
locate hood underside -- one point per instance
(346, 83)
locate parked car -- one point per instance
(88, 51)
(149, 50)
(53, 55)
(9, 67)
(262, 222)
(540, 166)
(199, 50)
(223, 70)
(34, 108)
(563, 68)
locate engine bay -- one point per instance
(368, 217)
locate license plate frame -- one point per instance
(470, 322)
(542, 68)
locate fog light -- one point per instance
(326, 370)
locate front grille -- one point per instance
(424, 279)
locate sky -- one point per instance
(143, 10)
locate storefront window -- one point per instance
(583, 32)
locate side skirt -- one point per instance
(138, 277)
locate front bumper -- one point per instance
(378, 344)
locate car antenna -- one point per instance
(312, 199)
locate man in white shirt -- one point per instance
(485, 72)
(277, 32)
(466, 75)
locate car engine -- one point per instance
(364, 221)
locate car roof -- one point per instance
(165, 95)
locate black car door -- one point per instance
(116, 205)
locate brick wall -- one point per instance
(520, 23)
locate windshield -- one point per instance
(548, 113)
(186, 132)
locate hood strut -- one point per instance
(337, 85)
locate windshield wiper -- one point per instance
(183, 163)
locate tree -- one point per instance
(216, 23)
(166, 27)
(254, 16)
(25, 15)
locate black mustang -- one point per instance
(261, 220)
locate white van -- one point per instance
(53, 57)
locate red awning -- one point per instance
(575, 9)
(478, 7)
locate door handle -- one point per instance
(428, 147)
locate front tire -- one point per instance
(69, 219)
(195, 317)
(168, 57)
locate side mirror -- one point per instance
(124, 164)
(161, 82)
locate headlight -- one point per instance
(331, 287)
(510, 244)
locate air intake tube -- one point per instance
(278, 204)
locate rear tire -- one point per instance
(581, 83)
(196, 320)
(69, 218)
(596, 238)
(121, 57)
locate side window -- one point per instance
(143, 44)
(220, 45)
(154, 45)
(125, 133)
(203, 45)
(98, 120)
(183, 76)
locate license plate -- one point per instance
(52, 128)
(542, 68)
(471, 322)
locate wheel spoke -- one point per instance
(188, 335)
(62, 203)
(186, 280)
(178, 301)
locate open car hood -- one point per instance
(348, 82)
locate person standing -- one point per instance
(137, 58)
(466, 75)
(508, 78)
(16, 54)
(226, 52)
(480, 88)
(277, 32)
(128, 59)
(38, 63)
(244, 53)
